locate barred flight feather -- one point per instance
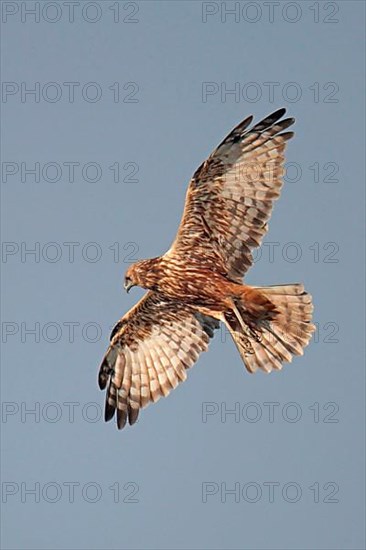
(148, 355)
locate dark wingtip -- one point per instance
(287, 135)
(278, 114)
(109, 412)
(133, 415)
(286, 123)
(246, 122)
(121, 419)
(269, 120)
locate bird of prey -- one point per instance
(198, 282)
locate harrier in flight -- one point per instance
(198, 282)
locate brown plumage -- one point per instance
(198, 281)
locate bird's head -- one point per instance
(141, 273)
(131, 278)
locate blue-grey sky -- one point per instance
(128, 98)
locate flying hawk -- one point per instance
(198, 282)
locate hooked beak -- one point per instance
(128, 286)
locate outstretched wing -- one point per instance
(151, 348)
(230, 197)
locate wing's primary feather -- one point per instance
(151, 347)
(230, 197)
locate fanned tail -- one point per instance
(277, 321)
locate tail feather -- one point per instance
(288, 290)
(277, 337)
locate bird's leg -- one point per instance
(244, 337)
(244, 327)
(249, 330)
